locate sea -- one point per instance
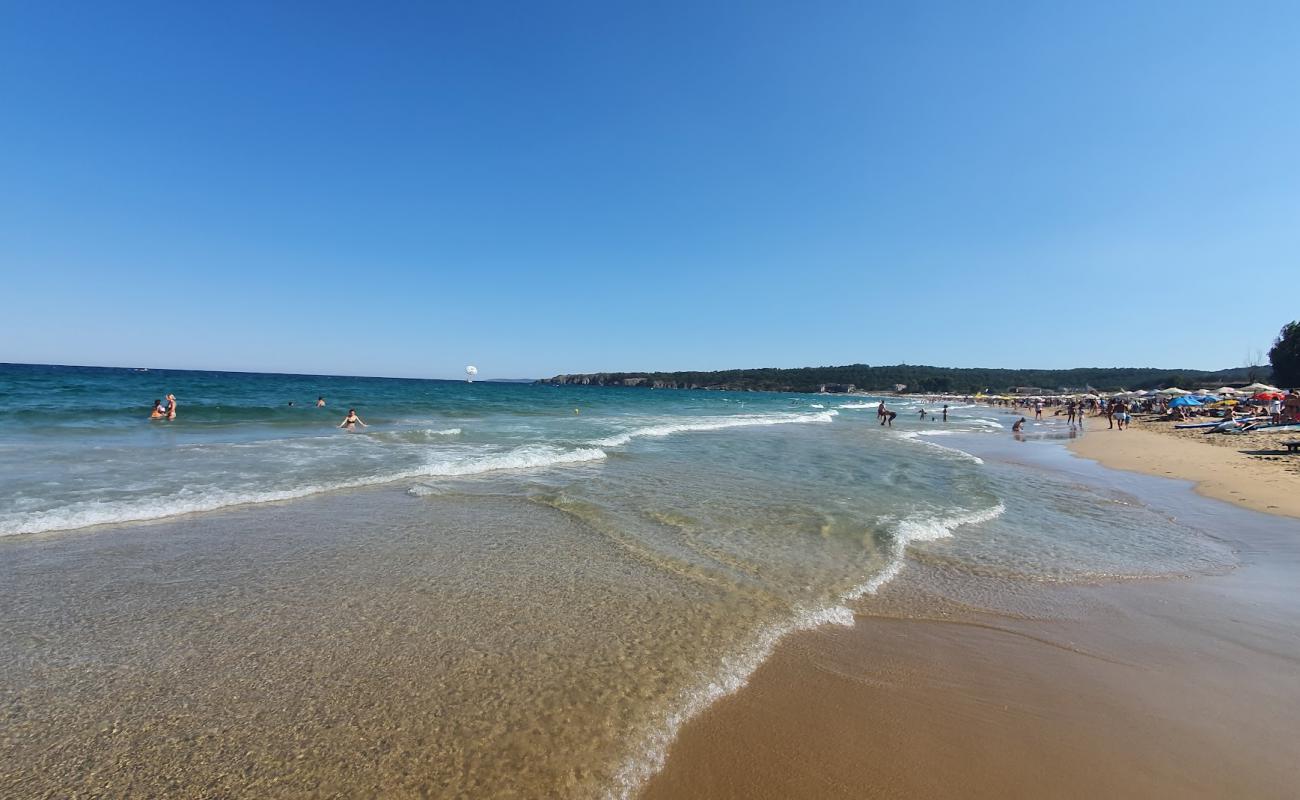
(491, 589)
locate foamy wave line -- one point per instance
(735, 671)
(915, 436)
(858, 405)
(98, 512)
(920, 529)
(713, 424)
(733, 674)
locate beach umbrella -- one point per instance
(1267, 396)
(1259, 387)
(1225, 390)
(1173, 391)
(1207, 398)
(1184, 400)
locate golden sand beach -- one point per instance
(1171, 688)
(1250, 470)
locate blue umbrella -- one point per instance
(1185, 400)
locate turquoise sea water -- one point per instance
(594, 565)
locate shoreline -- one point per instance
(1162, 687)
(1218, 468)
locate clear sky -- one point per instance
(544, 187)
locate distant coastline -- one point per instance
(915, 379)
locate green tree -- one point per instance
(1285, 356)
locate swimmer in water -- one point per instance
(320, 402)
(171, 406)
(1019, 426)
(351, 421)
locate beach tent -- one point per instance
(1184, 400)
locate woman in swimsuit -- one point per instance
(351, 420)
(157, 412)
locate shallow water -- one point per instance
(485, 593)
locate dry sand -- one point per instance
(1250, 470)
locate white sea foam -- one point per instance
(730, 676)
(858, 405)
(734, 672)
(920, 528)
(188, 501)
(816, 405)
(915, 436)
(713, 424)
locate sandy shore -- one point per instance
(1251, 470)
(1170, 688)
(1119, 703)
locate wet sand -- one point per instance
(1252, 470)
(1177, 687)
(1144, 696)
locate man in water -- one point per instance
(1038, 409)
(923, 415)
(945, 412)
(887, 416)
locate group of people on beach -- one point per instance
(887, 417)
(168, 411)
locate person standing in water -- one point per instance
(1018, 426)
(320, 402)
(945, 412)
(171, 406)
(158, 412)
(351, 421)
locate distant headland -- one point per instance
(917, 379)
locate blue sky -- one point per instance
(565, 187)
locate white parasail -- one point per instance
(470, 372)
